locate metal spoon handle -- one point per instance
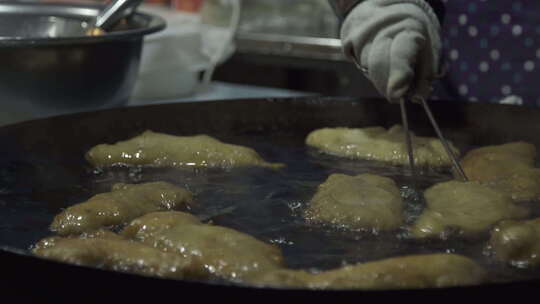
(113, 12)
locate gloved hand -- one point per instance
(396, 43)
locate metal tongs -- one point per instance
(408, 139)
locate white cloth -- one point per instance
(173, 58)
(396, 43)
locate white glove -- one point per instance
(396, 43)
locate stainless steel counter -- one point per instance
(292, 46)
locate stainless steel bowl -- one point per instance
(48, 62)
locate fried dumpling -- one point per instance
(469, 207)
(365, 202)
(124, 203)
(224, 252)
(163, 150)
(517, 242)
(110, 251)
(408, 272)
(377, 143)
(509, 168)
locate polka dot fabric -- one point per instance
(491, 51)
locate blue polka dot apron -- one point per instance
(491, 50)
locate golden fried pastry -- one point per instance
(124, 203)
(109, 251)
(415, 271)
(517, 242)
(162, 150)
(508, 167)
(377, 143)
(224, 252)
(365, 201)
(469, 207)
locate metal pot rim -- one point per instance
(81, 11)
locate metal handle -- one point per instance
(408, 139)
(451, 155)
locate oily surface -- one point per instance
(269, 205)
(41, 181)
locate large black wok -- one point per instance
(42, 169)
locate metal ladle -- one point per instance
(111, 15)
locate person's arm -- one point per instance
(396, 43)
